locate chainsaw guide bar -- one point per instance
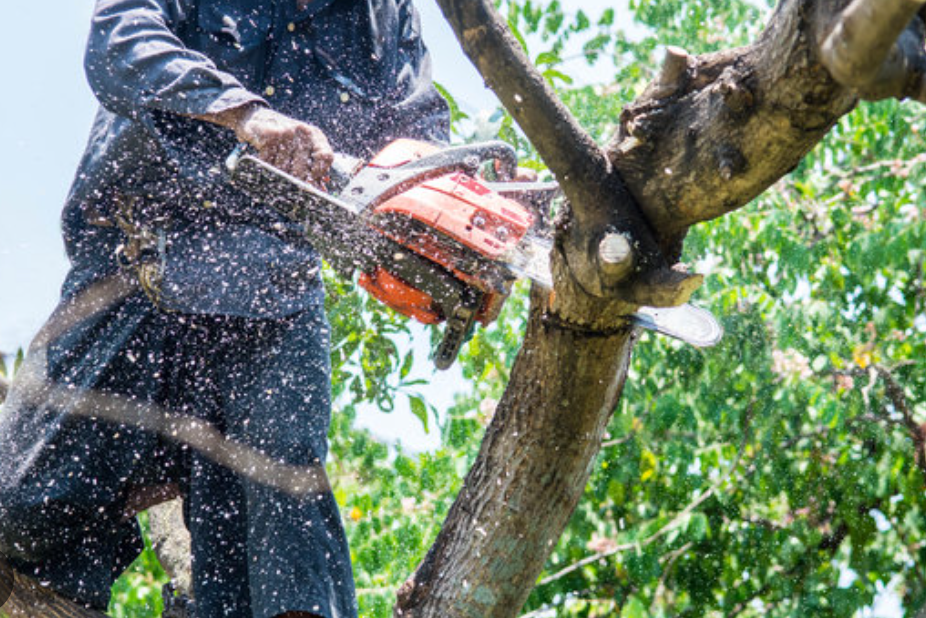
(433, 241)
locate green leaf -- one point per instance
(607, 17)
(634, 608)
(698, 527)
(419, 409)
(547, 58)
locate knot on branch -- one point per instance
(607, 259)
(737, 92)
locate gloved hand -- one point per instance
(297, 148)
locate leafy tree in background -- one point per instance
(779, 474)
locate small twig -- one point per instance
(538, 613)
(905, 165)
(548, 610)
(898, 399)
(619, 441)
(760, 522)
(670, 561)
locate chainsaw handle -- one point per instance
(372, 186)
(468, 158)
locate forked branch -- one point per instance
(602, 207)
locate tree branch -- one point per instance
(672, 525)
(916, 430)
(876, 48)
(530, 473)
(608, 238)
(562, 143)
(730, 124)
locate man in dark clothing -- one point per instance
(186, 299)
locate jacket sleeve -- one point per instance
(424, 110)
(136, 62)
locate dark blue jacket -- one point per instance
(357, 69)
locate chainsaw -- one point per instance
(431, 238)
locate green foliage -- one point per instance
(137, 594)
(368, 364)
(393, 505)
(790, 427)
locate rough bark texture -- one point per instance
(531, 471)
(735, 123)
(709, 135)
(30, 600)
(601, 203)
(867, 49)
(171, 542)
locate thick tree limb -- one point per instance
(530, 473)
(599, 199)
(732, 123)
(711, 134)
(567, 149)
(873, 48)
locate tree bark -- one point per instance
(735, 122)
(709, 135)
(600, 201)
(530, 473)
(28, 599)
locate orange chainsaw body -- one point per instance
(452, 220)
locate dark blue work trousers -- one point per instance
(65, 478)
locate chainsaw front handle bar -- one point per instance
(372, 186)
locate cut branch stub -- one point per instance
(673, 76)
(615, 254)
